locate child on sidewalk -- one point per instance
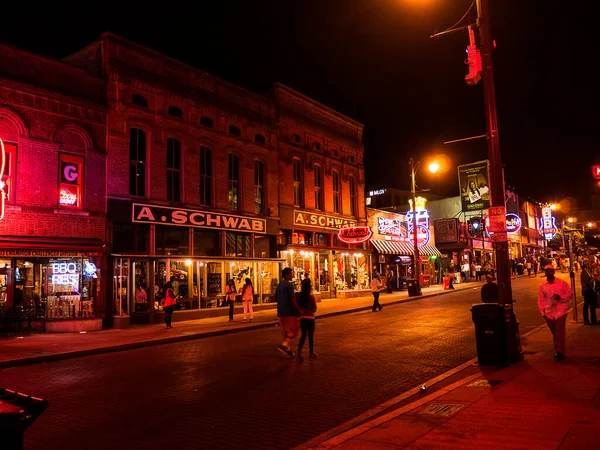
(308, 307)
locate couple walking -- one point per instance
(295, 312)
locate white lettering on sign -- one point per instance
(319, 220)
(64, 273)
(377, 192)
(70, 173)
(67, 197)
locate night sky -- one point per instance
(373, 60)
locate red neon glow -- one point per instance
(596, 172)
(355, 235)
(67, 197)
(2, 184)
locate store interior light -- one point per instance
(188, 262)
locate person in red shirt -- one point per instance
(169, 303)
(308, 307)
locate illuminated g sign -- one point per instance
(69, 173)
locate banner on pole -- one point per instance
(473, 180)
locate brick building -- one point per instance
(204, 182)
(52, 233)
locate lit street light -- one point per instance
(433, 167)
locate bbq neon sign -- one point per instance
(65, 273)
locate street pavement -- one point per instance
(236, 391)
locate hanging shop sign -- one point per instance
(475, 227)
(199, 219)
(513, 223)
(423, 235)
(2, 184)
(390, 227)
(321, 221)
(548, 224)
(355, 235)
(446, 231)
(496, 221)
(473, 183)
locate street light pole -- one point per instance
(496, 176)
(413, 191)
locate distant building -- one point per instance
(392, 199)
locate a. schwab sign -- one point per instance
(193, 218)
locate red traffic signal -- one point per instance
(596, 172)
(474, 62)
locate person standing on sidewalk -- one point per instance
(489, 291)
(389, 276)
(230, 297)
(553, 302)
(375, 288)
(287, 311)
(308, 307)
(248, 298)
(169, 303)
(589, 295)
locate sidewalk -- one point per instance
(38, 348)
(538, 403)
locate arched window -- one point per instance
(337, 197)
(235, 131)
(174, 111)
(206, 177)
(298, 175)
(319, 192)
(259, 139)
(206, 122)
(259, 187)
(139, 100)
(137, 162)
(353, 199)
(173, 170)
(234, 181)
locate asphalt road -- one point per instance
(238, 392)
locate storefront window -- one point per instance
(171, 240)
(182, 276)
(301, 238)
(269, 279)
(321, 239)
(120, 287)
(131, 238)
(214, 283)
(207, 243)
(5, 274)
(238, 244)
(160, 278)
(262, 247)
(140, 284)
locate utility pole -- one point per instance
(494, 156)
(413, 191)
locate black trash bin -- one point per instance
(520, 269)
(413, 286)
(17, 412)
(491, 334)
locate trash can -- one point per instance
(17, 412)
(520, 269)
(413, 286)
(491, 334)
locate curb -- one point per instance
(199, 335)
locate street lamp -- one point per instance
(433, 167)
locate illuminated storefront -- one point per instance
(197, 251)
(311, 245)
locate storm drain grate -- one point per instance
(441, 409)
(482, 382)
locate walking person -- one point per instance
(590, 298)
(169, 303)
(308, 307)
(287, 311)
(553, 297)
(375, 288)
(248, 298)
(230, 293)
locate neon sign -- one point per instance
(354, 235)
(548, 225)
(377, 192)
(65, 273)
(513, 223)
(422, 215)
(2, 184)
(90, 269)
(67, 197)
(391, 227)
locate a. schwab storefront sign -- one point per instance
(193, 218)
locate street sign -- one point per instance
(499, 237)
(497, 219)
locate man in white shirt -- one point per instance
(375, 288)
(553, 302)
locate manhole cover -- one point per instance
(441, 409)
(482, 382)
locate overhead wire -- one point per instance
(461, 19)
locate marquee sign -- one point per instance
(2, 184)
(423, 235)
(180, 217)
(355, 235)
(321, 221)
(422, 215)
(548, 226)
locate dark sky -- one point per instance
(373, 60)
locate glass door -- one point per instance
(121, 287)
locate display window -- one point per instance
(351, 271)
(71, 285)
(71, 182)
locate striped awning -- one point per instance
(403, 248)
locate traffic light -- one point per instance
(474, 62)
